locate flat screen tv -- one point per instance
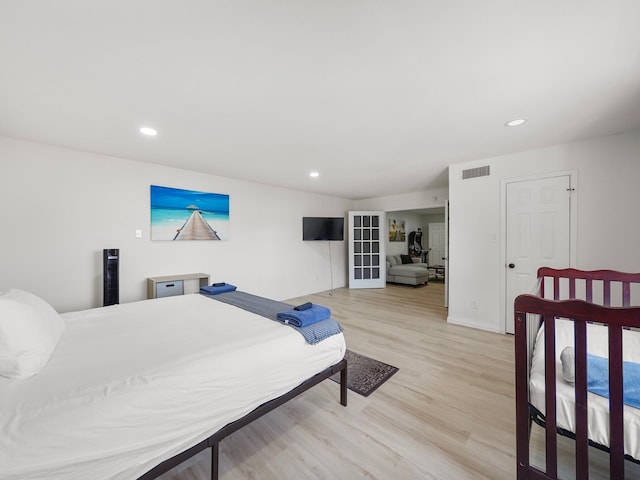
(322, 228)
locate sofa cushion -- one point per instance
(407, 271)
(391, 259)
(405, 259)
(419, 264)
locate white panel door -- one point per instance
(367, 264)
(436, 243)
(537, 233)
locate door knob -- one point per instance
(512, 265)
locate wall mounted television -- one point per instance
(322, 228)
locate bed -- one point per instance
(132, 390)
(592, 315)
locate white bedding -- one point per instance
(131, 385)
(598, 418)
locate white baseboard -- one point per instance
(465, 322)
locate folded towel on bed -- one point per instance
(302, 318)
(268, 308)
(217, 288)
(598, 379)
(304, 306)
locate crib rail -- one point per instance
(590, 280)
(571, 283)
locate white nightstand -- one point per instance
(171, 285)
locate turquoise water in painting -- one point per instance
(172, 207)
(165, 222)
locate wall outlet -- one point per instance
(474, 304)
(138, 233)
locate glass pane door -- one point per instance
(367, 268)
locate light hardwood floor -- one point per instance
(447, 414)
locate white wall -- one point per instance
(60, 208)
(411, 223)
(404, 201)
(608, 170)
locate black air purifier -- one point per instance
(110, 276)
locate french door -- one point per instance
(367, 264)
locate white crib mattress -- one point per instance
(598, 418)
(131, 385)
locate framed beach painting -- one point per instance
(178, 214)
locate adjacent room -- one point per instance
(284, 240)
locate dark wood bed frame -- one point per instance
(214, 440)
(582, 311)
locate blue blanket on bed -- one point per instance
(216, 289)
(598, 379)
(314, 333)
(302, 318)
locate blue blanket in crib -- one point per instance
(302, 318)
(314, 333)
(598, 379)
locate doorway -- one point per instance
(539, 230)
(421, 218)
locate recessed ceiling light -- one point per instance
(148, 131)
(314, 174)
(516, 123)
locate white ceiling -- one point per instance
(378, 96)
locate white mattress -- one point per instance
(134, 384)
(598, 418)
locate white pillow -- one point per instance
(29, 332)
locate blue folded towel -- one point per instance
(314, 333)
(302, 318)
(216, 288)
(598, 379)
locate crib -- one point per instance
(591, 310)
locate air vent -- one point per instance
(475, 172)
